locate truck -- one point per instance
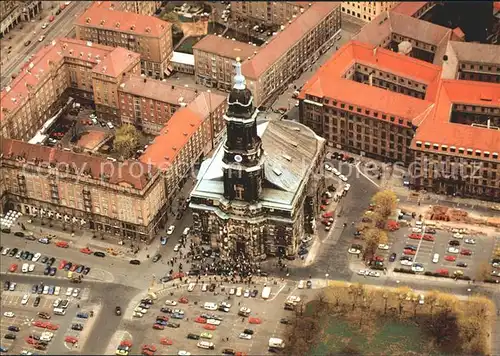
(266, 292)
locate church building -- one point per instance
(258, 195)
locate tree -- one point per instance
(126, 140)
(373, 237)
(430, 299)
(173, 18)
(385, 202)
(496, 252)
(483, 272)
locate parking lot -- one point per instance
(227, 334)
(30, 335)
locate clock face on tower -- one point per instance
(238, 158)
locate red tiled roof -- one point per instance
(206, 103)
(225, 47)
(409, 8)
(35, 71)
(285, 39)
(133, 173)
(157, 90)
(97, 16)
(117, 62)
(437, 128)
(327, 82)
(172, 138)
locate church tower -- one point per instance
(243, 161)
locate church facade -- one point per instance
(257, 196)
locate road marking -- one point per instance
(364, 175)
(277, 293)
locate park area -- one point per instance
(363, 320)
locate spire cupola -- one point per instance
(240, 100)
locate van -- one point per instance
(276, 343)
(59, 311)
(186, 232)
(210, 306)
(435, 258)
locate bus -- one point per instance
(266, 292)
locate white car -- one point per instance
(416, 229)
(31, 268)
(213, 322)
(57, 290)
(69, 291)
(225, 304)
(373, 274)
(301, 284)
(170, 230)
(25, 299)
(458, 235)
(9, 314)
(417, 267)
(5, 251)
(347, 187)
(25, 267)
(470, 241)
(383, 247)
(67, 3)
(232, 291)
(137, 315)
(138, 309)
(172, 303)
(406, 263)
(343, 178)
(57, 302)
(12, 286)
(306, 239)
(184, 353)
(204, 287)
(178, 311)
(75, 293)
(327, 167)
(45, 337)
(336, 171)
(452, 249)
(36, 257)
(191, 287)
(363, 272)
(45, 290)
(245, 336)
(205, 345)
(246, 294)
(45, 25)
(239, 291)
(354, 251)
(41, 38)
(177, 248)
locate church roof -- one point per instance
(290, 149)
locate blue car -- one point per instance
(53, 271)
(51, 290)
(79, 269)
(164, 240)
(3, 349)
(82, 315)
(177, 316)
(161, 322)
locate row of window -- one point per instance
(460, 150)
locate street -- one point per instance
(60, 27)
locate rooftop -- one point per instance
(437, 128)
(390, 22)
(183, 58)
(91, 139)
(225, 47)
(127, 22)
(117, 62)
(35, 71)
(127, 174)
(172, 138)
(477, 53)
(284, 40)
(157, 90)
(205, 103)
(290, 149)
(327, 82)
(409, 8)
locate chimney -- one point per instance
(145, 80)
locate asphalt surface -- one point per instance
(60, 27)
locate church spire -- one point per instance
(239, 79)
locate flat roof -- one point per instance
(225, 47)
(183, 58)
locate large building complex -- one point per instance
(255, 196)
(368, 100)
(292, 50)
(366, 10)
(65, 67)
(126, 200)
(214, 58)
(146, 35)
(269, 13)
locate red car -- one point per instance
(415, 236)
(183, 300)
(151, 348)
(428, 237)
(86, 251)
(62, 264)
(165, 341)
(51, 18)
(158, 327)
(73, 267)
(450, 258)
(146, 352)
(209, 327)
(408, 251)
(200, 320)
(62, 244)
(52, 326)
(178, 275)
(40, 324)
(31, 341)
(126, 343)
(466, 252)
(13, 267)
(162, 317)
(254, 321)
(328, 214)
(71, 339)
(378, 258)
(443, 272)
